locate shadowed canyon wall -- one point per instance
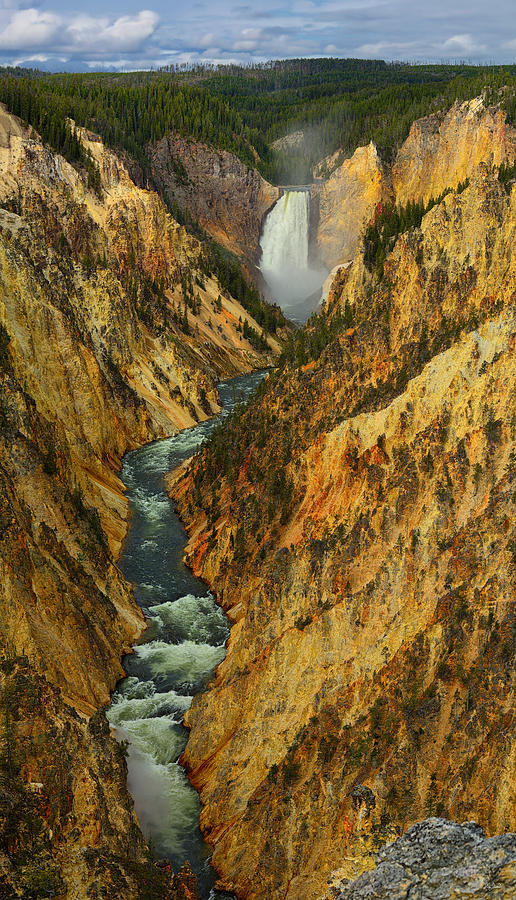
(219, 191)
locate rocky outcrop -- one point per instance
(437, 155)
(113, 332)
(344, 202)
(436, 860)
(220, 192)
(362, 544)
(293, 141)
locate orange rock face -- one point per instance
(364, 552)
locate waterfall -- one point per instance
(284, 263)
(285, 235)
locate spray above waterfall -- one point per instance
(284, 263)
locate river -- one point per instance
(184, 643)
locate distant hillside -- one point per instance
(337, 104)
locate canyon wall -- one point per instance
(438, 154)
(112, 333)
(219, 191)
(362, 542)
(345, 200)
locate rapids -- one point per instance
(183, 644)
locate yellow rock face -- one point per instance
(438, 155)
(93, 362)
(346, 201)
(373, 620)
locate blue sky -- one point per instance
(57, 35)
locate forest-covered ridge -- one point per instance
(337, 103)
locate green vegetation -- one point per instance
(507, 175)
(227, 268)
(390, 221)
(307, 345)
(337, 103)
(128, 111)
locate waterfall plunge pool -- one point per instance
(293, 282)
(184, 643)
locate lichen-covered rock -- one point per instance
(438, 860)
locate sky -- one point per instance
(59, 35)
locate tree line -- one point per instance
(338, 104)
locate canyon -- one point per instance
(232, 201)
(361, 541)
(355, 521)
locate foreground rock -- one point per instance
(438, 860)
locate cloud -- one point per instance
(463, 43)
(29, 28)
(107, 35)
(32, 29)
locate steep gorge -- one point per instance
(113, 333)
(362, 543)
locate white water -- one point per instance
(184, 642)
(284, 263)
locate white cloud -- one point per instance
(105, 36)
(387, 48)
(32, 29)
(462, 43)
(29, 28)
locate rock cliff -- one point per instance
(344, 201)
(112, 332)
(219, 191)
(439, 153)
(362, 543)
(438, 859)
